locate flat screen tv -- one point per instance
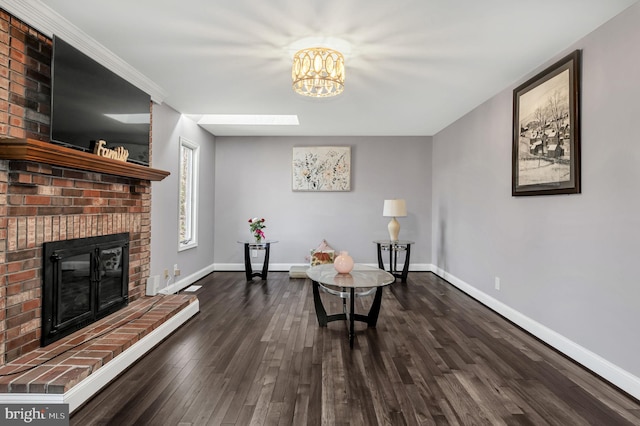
(90, 102)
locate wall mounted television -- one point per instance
(90, 102)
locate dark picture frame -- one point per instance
(546, 131)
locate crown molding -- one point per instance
(49, 22)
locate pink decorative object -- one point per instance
(343, 263)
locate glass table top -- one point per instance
(362, 276)
(253, 242)
(396, 242)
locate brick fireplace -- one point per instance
(45, 203)
(49, 193)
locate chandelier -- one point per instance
(318, 72)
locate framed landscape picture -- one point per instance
(321, 168)
(546, 131)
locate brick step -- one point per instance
(56, 368)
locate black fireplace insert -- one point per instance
(85, 279)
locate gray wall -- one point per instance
(254, 179)
(568, 264)
(168, 127)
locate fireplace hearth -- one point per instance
(85, 279)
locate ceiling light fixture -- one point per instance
(318, 72)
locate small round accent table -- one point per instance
(252, 245)
(368, 279)
(393, 247)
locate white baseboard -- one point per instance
(273, 267)
(600, 366)
(413, 267)
(32, 398)
(187, 281)
(88, 387)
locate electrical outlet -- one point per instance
(166, 274)
(254, 253)
(497, 283)
(176, 270)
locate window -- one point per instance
(187, 203)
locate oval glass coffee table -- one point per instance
(366, 279)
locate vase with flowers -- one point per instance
(256, 226)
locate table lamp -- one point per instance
(394, 208)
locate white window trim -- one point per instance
(193, 242)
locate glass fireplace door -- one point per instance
(84, 279)
(74, 298)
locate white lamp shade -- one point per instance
(394, 208)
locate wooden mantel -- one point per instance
(56, 155)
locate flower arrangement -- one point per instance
(256, 226)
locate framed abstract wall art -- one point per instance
(546, 131)
(321, 168)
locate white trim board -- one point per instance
(91, 385)
(186, 281)
(594, 362)
(413, 267)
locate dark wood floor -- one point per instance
(255, 355)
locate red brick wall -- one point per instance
(41, 203)
(25, 80)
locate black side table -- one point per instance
(393, 247)
(252, 245)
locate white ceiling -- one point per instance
(412, 66)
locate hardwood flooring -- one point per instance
(255, 355)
